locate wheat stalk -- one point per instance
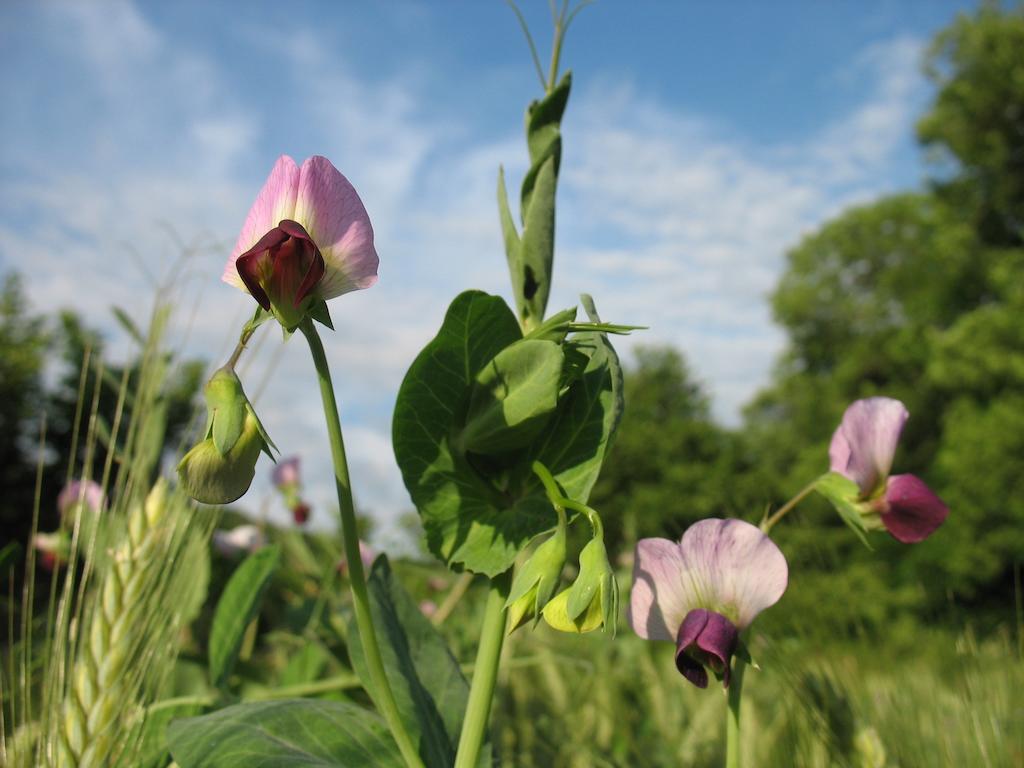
(103, 699)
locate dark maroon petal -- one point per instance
(249, 270)
(276, 236)
(705, 638)
(912, 510)
(294, 229)
(313, 276)
(718, 640)
(248, 264)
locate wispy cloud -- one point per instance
(669, 218)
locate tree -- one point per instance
(977, 122)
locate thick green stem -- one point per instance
(782, 511)
(381, 689)
(485, 672)
(732, 724)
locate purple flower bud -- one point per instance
(705, 639)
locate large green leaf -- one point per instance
(513, 397)
(238, 606)
(429, 687)
(292, 732)
(478, 511)
(574, 445)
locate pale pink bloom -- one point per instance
(80, 492)
(286, 472)
(862, 450)
(367, 555)
(428, 608)
(306, 238)
(239, 540)
(704, 590)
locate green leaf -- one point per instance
(513, 397)
(478, 513)
(575, 443)
(429, 687)
(537, 248)
(125, 321)
(295, 732)
(508, 227)
(466, 520)
(152, 751)
(239, 605)
(319, 312)
(543, 136)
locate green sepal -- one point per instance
(595, 585)
(844, 495)
(535, 583)
(513, 397)
(268, 446)
(211, 477)
(557, 617)
(319, 312)
(226, 404)
(742, 653)
(259, 317)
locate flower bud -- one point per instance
(221, 468)
(593, 599)
(536, 581)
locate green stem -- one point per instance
(380, 689)
(781, 512)
(485, 672)
(732, 724)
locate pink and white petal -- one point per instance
(658, 602)
(914, 511)
(731, 567)
(275, 201)
(871, 429)
(329, 207)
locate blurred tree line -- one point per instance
(919, 296)
(42, 359)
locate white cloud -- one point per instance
(667, 218)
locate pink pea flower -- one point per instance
(239, 540)
(862, 450)
(428, 608)
(286, 473)
(703, 591)
(307, 238)
(80, 491)
(366, 553)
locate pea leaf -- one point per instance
(239, 605)
(429, 687)
(479, 511)
(307, 732)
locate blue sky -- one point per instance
(702, 140)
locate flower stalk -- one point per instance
(485, 673)
(381, 691)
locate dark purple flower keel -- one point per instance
(706, 639)
(283, 268)
(911, 511)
